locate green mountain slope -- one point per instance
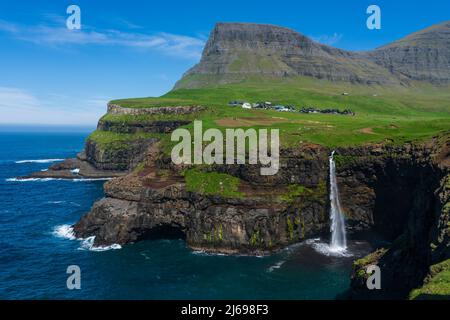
(235, 51)
(251, 62)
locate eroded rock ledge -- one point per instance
(411, 207)
(127, 144)
(116, 109)
(378, 187)
(399, 191)
(138, 208)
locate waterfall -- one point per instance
(338, 238)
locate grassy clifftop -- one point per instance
(437, 285)
(396, 114)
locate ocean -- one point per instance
(36, 245)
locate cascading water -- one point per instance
(338, 237)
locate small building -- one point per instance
(235, 103)
(281, 108)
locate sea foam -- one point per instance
(88, 244)
(39, 161)
(328, 250)
(276, 266)
(65, 231)
(30, 179)
(55, 179)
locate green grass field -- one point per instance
(437, 286)
(395, 114)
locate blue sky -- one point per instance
(52, 75)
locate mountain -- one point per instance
(423, 55)
(237, 51)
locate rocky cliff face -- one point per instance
(422, 243)
(150, 204)
(400, 191)
(380, 186)
(133, 143)
(403, 194)
(424, 55)
(235, 51)
(120, 159)
(128, 145)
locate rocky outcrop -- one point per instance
(75, 168)
(128, 145)
(379, 184)
(148, 205)
(411, 209)
(131, 127)
(100, 162)
(211, 223)
(369, 177)
(235, 51)
(400, 191)
(120, 110)
(123, 158)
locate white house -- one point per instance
(246, 105)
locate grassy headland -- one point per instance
(393, 114)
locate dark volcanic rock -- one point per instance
(74, 168)
(400, 191)
(141, 126)
(117, 159)
(411, 208)
(212, 223)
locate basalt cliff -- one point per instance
(399, 191)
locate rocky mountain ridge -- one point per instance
(236, 51)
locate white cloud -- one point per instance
(20, 106)
(17, 99)
(329, 39)
(166, 43)
(127, 24)
(8, 27)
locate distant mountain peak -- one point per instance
(237, 51)
(437, 33)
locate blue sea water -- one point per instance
(34, 259)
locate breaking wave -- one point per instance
(39, 161)
(30, 179)
(88, 244)
(55, 179)
(65, 231)
(276, 266)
